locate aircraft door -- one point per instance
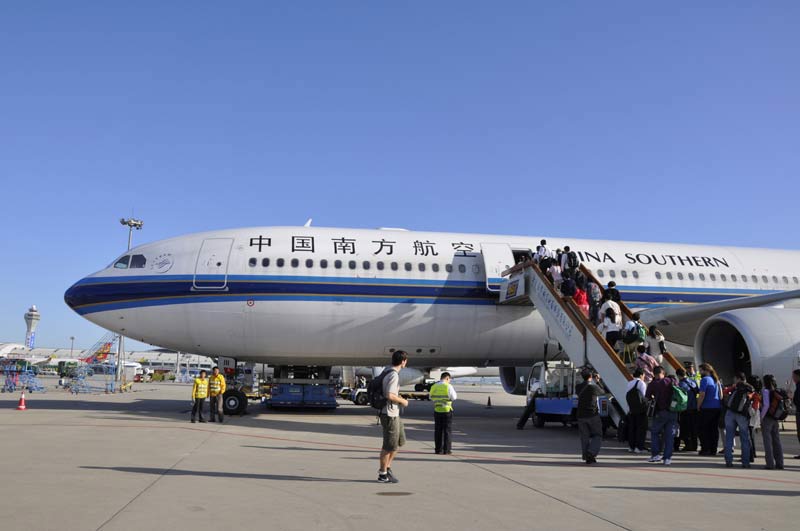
(497, 257)
(211, 269)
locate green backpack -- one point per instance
(679, 401)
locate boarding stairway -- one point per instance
(525, 283)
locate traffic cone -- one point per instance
(21, 405)
(489, 402)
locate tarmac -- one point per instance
(134, 461)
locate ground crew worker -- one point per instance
(443, 394)
(216, 388)
(199, 394)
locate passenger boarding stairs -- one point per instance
(576, 334)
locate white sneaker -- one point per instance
(655, 458)
(667, 462)
(637, 451)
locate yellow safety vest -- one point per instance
(200, 389)
(216, 385)
(440, 394)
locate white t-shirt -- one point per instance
(391, 384)
(639, 384)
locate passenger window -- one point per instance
(323, 264)
(635, 274)
(785, 280)
(408, 266)
(680, 276)
(794, 279)
(669, 275)
(295, 262)
(138, 261)
(122, 263)
(774, 279)
(691, 276)
(624, 274)
(658, 275)
(754, 279)
(702, 276)
(462, 268)
(365, 264)
(279, 262)
(309, 263)
(395, 267)
(713, 277)
(252, 262)
(264, 262)
(744, 278)
(734, 278)
(612, 273)
(337, 264)
(435, 268)
(351, 264)
(448, 268)
(379, 265)
(764, 279)
(476, 269)
(421, 266)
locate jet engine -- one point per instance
(751, 340)
(515, 379)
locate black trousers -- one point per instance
(688, 423)
(526, 414)
(443, 432)
(197, 408)
(708, 430)
(637, 430)
(215, 407)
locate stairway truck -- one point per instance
(551, 386)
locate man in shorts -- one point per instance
(394, 435)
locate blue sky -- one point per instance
(663, 121)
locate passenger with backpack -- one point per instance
(555, 275)
(613, 292)
(590, 425)
(709, 405)
(542, 252)
(634, 331)
(737, 415)
(595, 295)
(661, 390)
(655, 344)
(796, 400)
(688, 419)
(607, 303)
(774, 409)
(646, 363)
(570, 262)
(609, 329)
(384, 394)
(637, 412)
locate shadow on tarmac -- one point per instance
(213, 474)
(710, 490)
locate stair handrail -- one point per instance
(535, 268)
(672, 360)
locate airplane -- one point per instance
(315, 296)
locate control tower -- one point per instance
(32, 317)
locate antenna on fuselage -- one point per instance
(308, 223)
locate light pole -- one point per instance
(71, 345)
(137, 224)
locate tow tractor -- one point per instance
(359, 396)
(551, 385)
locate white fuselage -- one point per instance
(327, 296)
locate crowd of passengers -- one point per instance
(692, 408)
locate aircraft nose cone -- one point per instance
(76, 295)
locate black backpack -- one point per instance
(739, 401)
(778, 404)
(568, 287)
(636, 402)
(545, 263)
(572, 260)
(375, 395)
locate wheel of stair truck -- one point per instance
(361, 399)
(234, 402)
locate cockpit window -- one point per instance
(122, 263)
(138, 261)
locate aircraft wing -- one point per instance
(680, 323)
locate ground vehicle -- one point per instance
(551, 386)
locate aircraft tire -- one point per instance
(234, 402)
